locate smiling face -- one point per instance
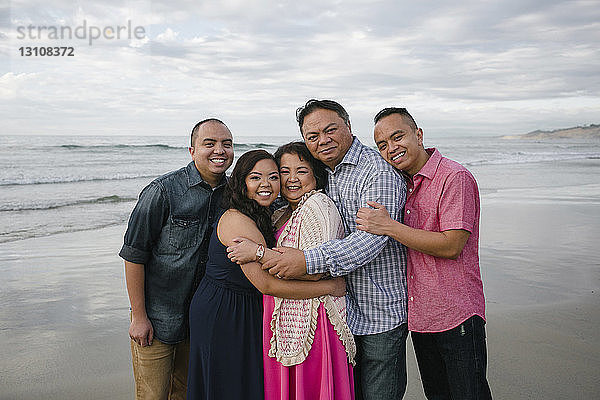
(262, 183)
(212, 151)
(400, 144)
(297, 178)
(327, 136)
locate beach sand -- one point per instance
(64, 320)
(63, 332)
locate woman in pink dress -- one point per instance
(308, 349)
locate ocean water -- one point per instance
(63, 331)
(54, 184)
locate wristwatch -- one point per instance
(260, 252)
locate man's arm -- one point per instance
(341, 256)
(145, 224)
(140, 329)
(446, 244)
(458, 207)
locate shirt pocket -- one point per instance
(184, 231)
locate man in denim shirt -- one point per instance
(165, 253)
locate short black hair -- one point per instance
(300, 149)
(314, 104)
(199, 124)
(397, 110)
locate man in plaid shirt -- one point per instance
(374, 266)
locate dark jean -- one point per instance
(380, 372)
(453, 363)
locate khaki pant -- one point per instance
(160, 370)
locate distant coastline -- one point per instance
(591, 131)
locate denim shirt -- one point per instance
(168, 232)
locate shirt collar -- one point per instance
(352, 156)
(429, 169)
(194, 177)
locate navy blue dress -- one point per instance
(225, 332)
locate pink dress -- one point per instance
(324, 374)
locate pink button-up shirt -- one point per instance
(443, 293)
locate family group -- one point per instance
(300, 275)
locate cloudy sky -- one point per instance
(462, 68)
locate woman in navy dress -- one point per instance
(226, 311)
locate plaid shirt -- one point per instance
(375, 265)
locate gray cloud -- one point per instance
(500, 65)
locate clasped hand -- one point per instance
(373, 220)
(243, 251)
(288, 264)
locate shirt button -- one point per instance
(410, 298)
(408, 211)
(410, 190)
(412, 277)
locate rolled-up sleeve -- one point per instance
(145, 224)
(342, 256)
(459, 204)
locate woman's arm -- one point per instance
(244, 251)
(234, 224)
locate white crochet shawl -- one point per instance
(293, 323)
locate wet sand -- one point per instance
(545, 352)
(64, 319)
(63, 326)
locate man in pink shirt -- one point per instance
(446, 306)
